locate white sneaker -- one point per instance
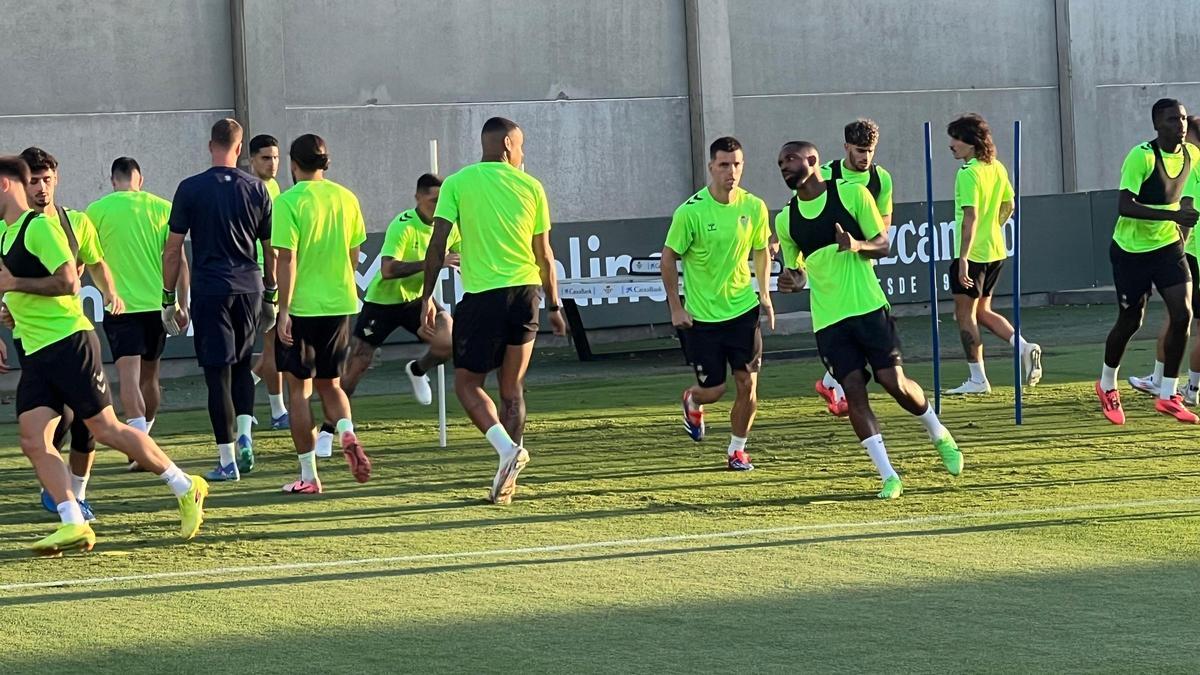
(324, 445)
(971, 387)
(1031, 363)
(1146, 384)
(420, 384)
(504, 485)
(1190, 395)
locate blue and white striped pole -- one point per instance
(931, 229)
(1017, 375)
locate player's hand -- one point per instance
(430, 313)
(3, 357)
(270, 310)
(182, 319)
(7, 280)
(964, 274)
(115, 305)
(283, 328)
(6, 318)
(1187, 217)
(790, 281)
(767, 312)
(845, 242)
(558, 324)
(452, 260)
(681, 319)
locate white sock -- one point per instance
(1193, 380)
(933, 426)
(278, 408)
(1169, 388)
(225, 450)
(70, 513)
(500, 440)
(345, 425)
(878, 454)
(140, 424)
(736, 443)
(1156, 378)
(308, 466)
(149, 425)
(177, 480)
(977, 372)
(1013, 341)
(1108, 377)
(244, 422)
(79, 486)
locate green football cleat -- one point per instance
(245, 454)
(191, 508)
(892, 488)
(66, 538)
(952, 457)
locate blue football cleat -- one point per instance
(245, 454)
(224, 473)
(693, 417)
(84, 506)
(48, 502)
(281, 423)
(740, 461)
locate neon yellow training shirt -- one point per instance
(714, 240)
(43, 320)
(272, 192)
(883, 201)
(132, 226)
(984, 186)
(1134, 234)
(320, 221)
(842, 284)
(406, 240)
(498, 210)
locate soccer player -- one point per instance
(714, 233)
(831, 231)
(264, 163)
(318, 231)
(858, 167)
(1147, 252)
(226, 211)
(61, 367)
(393, 297)
(132, 226)
(983, 201)
(504, 222)
(85, 245)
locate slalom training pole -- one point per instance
(1017, 378)
(931, 228)
(437, 295)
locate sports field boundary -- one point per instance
(598, 545)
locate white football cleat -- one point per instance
(1146, 384)
(971, 387)
(420, 384)
(1031, 363)
(324, 445)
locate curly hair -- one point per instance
(862, 132)
(973, 130)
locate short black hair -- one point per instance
(497, 125)
(123, 168)
(12, 166)
(309, 153)
(1161, 105)
(37, 159)
(427, 182)
(799, 146)
(226, 132)
(862, 132)
(724, 144)
(262, 141)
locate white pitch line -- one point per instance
(592, 545)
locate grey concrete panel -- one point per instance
(766, 123)
(341, 53)
(1138, 42)
(169, 147)
(817, 46)
(597, 160)
(116, 56)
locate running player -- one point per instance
(226, 211)
(318, 231)
(504, 222)
(61, 367)
(861, 140)
(983, 201)
(714, 233)
(831, 230)
(1147, 252)
(264, 163)
(393, 297)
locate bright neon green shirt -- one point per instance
(1192, 190)
(43, 320)
(133, 231)
(1136, 235)
(883, 201)
(714, 240)
(498, 210)
(842, 284)
(985, 187)
(320, 221)
(272, 192)
(406, 240)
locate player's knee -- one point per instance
(512, 392)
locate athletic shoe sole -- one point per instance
(504, 486)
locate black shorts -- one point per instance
(319, 347)
(225, 327)
(985, 276)
(487, 323)
(1134, 274)
(65, 373)
(377, 322)
(856, 342)
(1195, 271)
(709, 347)
(137, 334)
